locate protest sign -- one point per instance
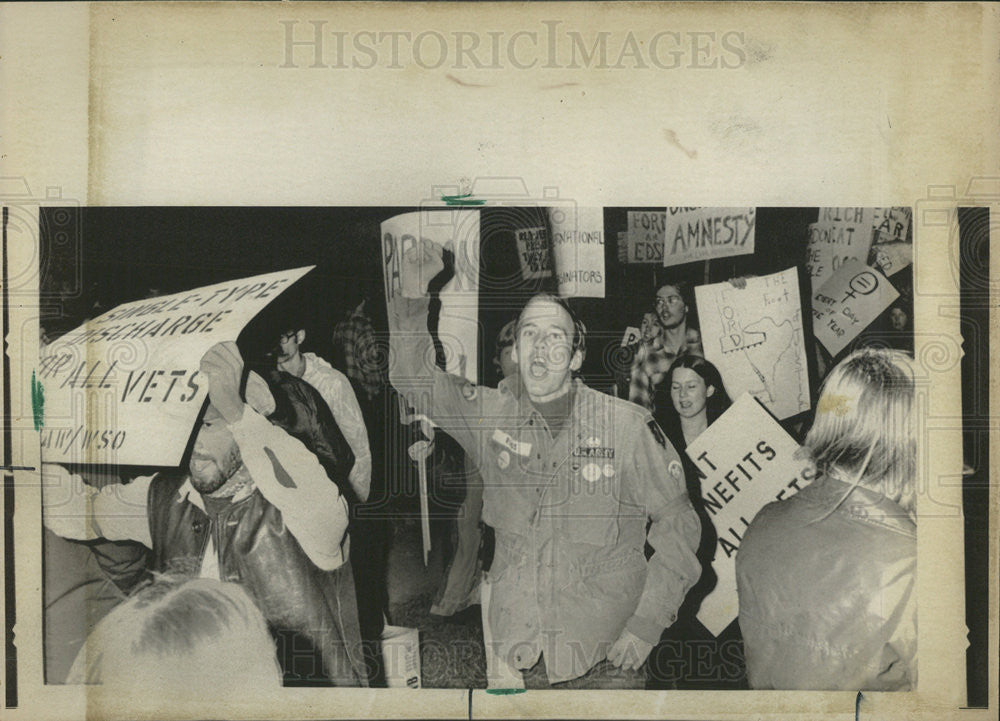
(840, 233)
(891, 224)
(692, 234)
(644, 237)
(125, 387)
(754, 337)
(456, 231)
(622, 246)
(533, 253)
(631, 335)
(747, 460)
(578, 251)
(891, 258)
(847, 304)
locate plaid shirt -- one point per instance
(650, 367)
(361, 353)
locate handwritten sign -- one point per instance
(890, 258)
(840, 234)
(458, 232)
(644, 237)
(533, 253)
(578, 250)
(847, 304)
(747, 460)
(891, 224)
(754, 337)
(631, 335)
(693, 234)
(124, 388)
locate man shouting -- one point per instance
(571, 476)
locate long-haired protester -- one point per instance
(198, 637)
(697, 399)
(826, 577)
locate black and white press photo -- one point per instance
(454, 446)
(498, 360)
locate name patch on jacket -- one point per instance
(514, 446)
(598, 452)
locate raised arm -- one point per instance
(291, 478)
(452, 403)
(339, 396)
(285, 472)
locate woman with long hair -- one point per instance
(826, 577)
(697, 399)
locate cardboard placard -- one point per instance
(847, 304)
(533, 253)
(644, 237)
(458, 232)
(125, 386)
(578, 250)
(890, 258)
(748, 461)
(892, 225)
(694, 234)
(754, 337)
(840, 234)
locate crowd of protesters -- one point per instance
(581, 513)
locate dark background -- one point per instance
(95, 258)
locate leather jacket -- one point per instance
(301, 411)
(255, 549)
(828, 602)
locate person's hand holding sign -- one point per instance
(422, 261)
(223, 366)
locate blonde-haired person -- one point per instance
(826, 578)
(198, 637)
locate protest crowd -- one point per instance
(612, 469)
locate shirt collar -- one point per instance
(527, 410)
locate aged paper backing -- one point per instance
(188, 104)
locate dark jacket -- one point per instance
(301, 411)
(256, 550)
(829, 604)
(301, 602)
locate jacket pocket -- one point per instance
(614, 582)
(508, 554)
(591, 507)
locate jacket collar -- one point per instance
(188, 493)
(861, 504)
(586, 416)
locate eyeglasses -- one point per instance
(285, 337)
(662, 301)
